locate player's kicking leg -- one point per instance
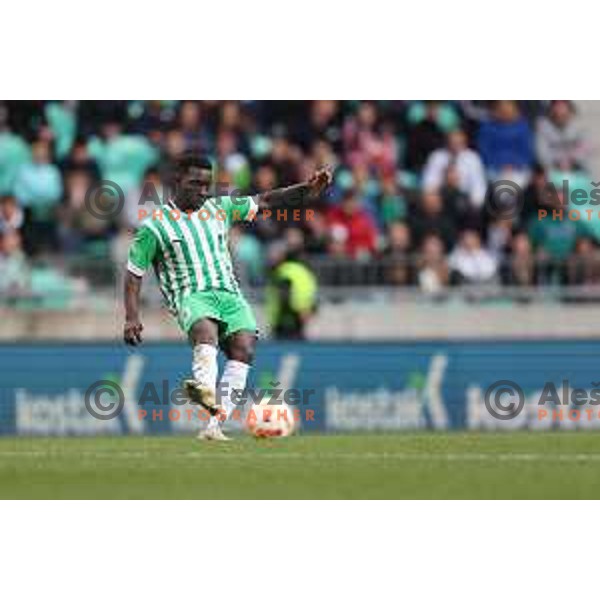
(239, 349)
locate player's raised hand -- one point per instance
(132, 333)
(320, 180)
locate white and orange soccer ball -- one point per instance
(270, 420)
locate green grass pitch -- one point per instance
(409, 465)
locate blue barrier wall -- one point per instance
(341, 387)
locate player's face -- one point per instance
(194, 185)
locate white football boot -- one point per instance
(213, 434)
(198, 394)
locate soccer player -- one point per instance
(186, 244)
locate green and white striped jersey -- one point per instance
(189, 251)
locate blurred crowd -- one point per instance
(407, 206)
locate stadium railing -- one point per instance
(64, 283)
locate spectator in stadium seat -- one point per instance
(369, 144)
(317, 233)
(554, 239)
(467, 164)
(76, 224)
(265, 179)
(433, 274)
(505, 142)
(385, 155)
(423, 138)
(149, 116)
(561, 143)
(469, 262)
(519, 268)
(430, 217)
(499, 238)
(38, 184)
(457, 204)
(14, 153)
(392, 205)
(173, 145)
(230, 117)
(352, 227)
(79, 159)
(446, 114)
(396, 255)
(62, 122)
(322, 122)
(535, 196)
(191, 124)
(11, 214)
(230, 159)
(321, 153)
(361, 142)
(584, 265)
(14, 268)
(366, 185)
(38, 188)
(123, 158)
(285, 158)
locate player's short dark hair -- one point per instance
(189, 160)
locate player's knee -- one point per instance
(204, 331)
(242, 350)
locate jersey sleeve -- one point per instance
(239, 208)
(142, 251)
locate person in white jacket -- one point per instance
(472, 179)
(471, 263)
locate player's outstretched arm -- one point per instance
(132, 331)
(293, 194)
